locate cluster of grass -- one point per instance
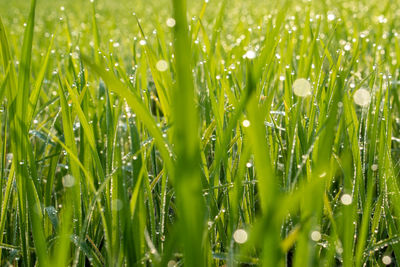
(217, 133)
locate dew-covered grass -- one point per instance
(192, 133)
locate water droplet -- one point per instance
(382, 19)
(75, 55)
(171, 22)
(374, 167)
(362, 97)
(249, 165)
(240, 236)
(331, 17)
(346, 199)
(250, 54)
(387, 260)
(246, 123)
(68, 180)
(316, 236)
(142, 42)
(162, 65)
(302, 87)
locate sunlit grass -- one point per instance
(190, 133)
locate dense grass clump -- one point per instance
(190, 133)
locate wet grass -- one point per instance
(215, 133)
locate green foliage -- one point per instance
(174, 136)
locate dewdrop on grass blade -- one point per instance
(171, 22)
(347, 47)
(387, 260)
(346, 199)
(68, 181)
(162, 65)
(331, 17)
(374, 167)
(362, 97)
(240, 236)
(246, 123)
(302, 87)
(250, 54)
(316, 236)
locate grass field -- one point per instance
(217, 133)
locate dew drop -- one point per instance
(323, 174)
(347, 47)
(246, 123)
(302, 87)
(240, 236)
(316, 236)
(346, 199)
(331, 17)
(68, 180)
(362, 97)
(387, 260)
(171, 22)
(374, 167)
(162, 65)
(250, 54)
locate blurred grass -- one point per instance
(129, 140)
